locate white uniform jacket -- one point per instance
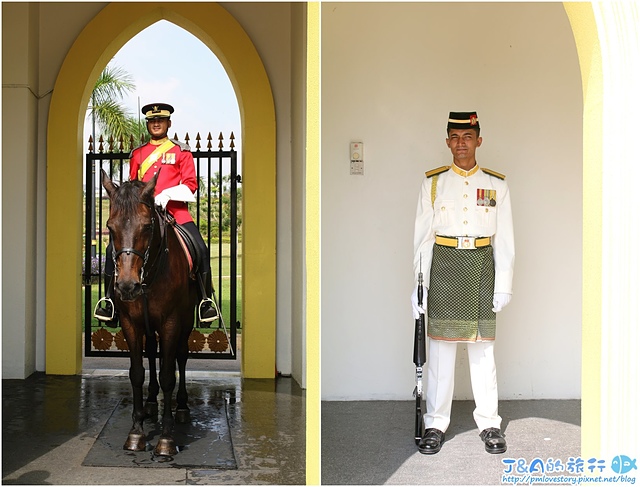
(467, 204)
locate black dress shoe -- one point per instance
(431, 441)
(494, 441)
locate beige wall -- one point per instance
(19, 134)
(38, 48)
(391, 72)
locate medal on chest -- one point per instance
(486, 197)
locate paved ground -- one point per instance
(50, 423)
(372, 442)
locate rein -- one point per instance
(156, 265)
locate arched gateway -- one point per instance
(92, 50)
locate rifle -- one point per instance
(419, 358)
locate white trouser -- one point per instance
(440, 379)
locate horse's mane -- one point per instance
(128, 196)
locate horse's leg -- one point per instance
(137, 440)
(166, 446)
(182, 410)
(151, 406)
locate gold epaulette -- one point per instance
(493, 173)
(183, 147)
(136, 148)
(434, 172)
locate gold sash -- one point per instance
(153, 157)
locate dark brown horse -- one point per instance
(155, 298)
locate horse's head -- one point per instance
(132, 227)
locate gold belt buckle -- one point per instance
(466, 243)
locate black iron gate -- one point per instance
(216, 216)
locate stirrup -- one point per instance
(100, 317)
(213, 305)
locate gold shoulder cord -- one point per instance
(434, 182)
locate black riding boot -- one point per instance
(107, 314)
(207, 309)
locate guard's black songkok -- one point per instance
(463, 120)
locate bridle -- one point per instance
(144, 256)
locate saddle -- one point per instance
(189, 248)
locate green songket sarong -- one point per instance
(460, 295)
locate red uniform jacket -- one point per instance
(177, 168)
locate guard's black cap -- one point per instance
(463, 120)
(157, 110)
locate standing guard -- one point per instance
(464, 238)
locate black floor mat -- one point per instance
(203, 443)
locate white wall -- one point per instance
(19, 230)
(298, 164)
(390, 75)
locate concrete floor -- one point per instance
(50, 423)
(372, 442)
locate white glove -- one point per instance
(417, 310)
(500, 300)
(162, 199)
(181, 192)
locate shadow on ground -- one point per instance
(372, 442)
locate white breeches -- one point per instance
(440, 381)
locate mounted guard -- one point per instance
(176, 184)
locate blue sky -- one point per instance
(170, 65)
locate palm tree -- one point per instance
(106, 109)
(112, 118)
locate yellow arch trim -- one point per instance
(585, 32)
(90, 53)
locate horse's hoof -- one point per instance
(183, 416)
(151, 410)
(165, 447)
(135, 442)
